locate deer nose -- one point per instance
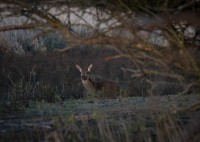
(84, 77)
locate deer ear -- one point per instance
(90, 67)
(79, 68)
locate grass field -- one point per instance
(43, 99)
(161, 118)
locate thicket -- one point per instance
(123, 50)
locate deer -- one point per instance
(99, 89)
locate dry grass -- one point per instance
(172, 118)
(142, 65)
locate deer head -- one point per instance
(84, 74)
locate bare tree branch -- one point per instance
(21, 27)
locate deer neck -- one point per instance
(89, 85)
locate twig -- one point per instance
(189, 86)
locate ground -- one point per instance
(47, 117)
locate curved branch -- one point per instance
(21, 27)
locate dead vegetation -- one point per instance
(159, 46)
(171, 118)
(150, 48)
